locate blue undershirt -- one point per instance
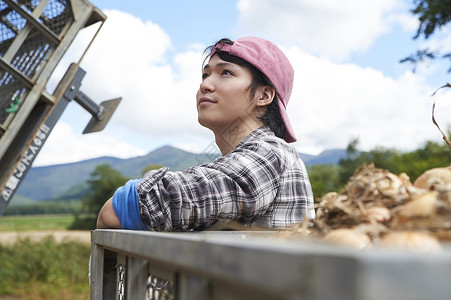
(126, 206)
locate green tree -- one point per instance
(354, 159)
(432, 15)
(324, 179)
(413, 163)
(103, 183)
(351, 149)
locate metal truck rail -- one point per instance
(257, 265)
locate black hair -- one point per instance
(272, 117)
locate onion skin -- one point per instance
(378, 213)
(434, 178)
(378, 208)
(414, 241)
(422, 206)
(348, 237)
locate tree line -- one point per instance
(432, 16)
(329, 178)
(102, 184)
(324, 178)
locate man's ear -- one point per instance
(267, 94)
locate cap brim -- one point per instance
(288, 134)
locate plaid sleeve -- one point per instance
(239, 186)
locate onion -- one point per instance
(378, 213)
(411, 241)
(421, 206)
(390, 185)
(434, 178)
(348, 237)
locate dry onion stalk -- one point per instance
(385, 210)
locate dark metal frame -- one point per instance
(29, 55)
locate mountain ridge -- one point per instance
(44, 183)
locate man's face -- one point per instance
(223, 95)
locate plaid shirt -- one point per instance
(261, 182)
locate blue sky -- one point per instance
(348, 80)
(187, 21)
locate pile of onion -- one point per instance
(378, 209)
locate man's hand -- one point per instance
(107, 217)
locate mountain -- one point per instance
(332, 156)
(44, 183)
(167, 156)
(68, 181)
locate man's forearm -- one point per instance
(107, 216)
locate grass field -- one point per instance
(44, 269)
(35, 222)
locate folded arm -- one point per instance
(107, 217)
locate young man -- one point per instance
(259, 180)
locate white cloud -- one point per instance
(408, 22)
(333, 29)
(331, 103)
(130, 59)
(64, 145)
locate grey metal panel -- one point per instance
(256, 267)
(404, 276)
(96, 271)
(191, 287)
(136, 278)
(101, 114)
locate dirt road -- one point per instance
(9, 237)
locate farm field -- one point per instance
(35, 222)
(41, 259)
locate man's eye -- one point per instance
(204, 76)
(226, 72)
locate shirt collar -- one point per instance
(257, 134)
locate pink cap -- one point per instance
(271, 61)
